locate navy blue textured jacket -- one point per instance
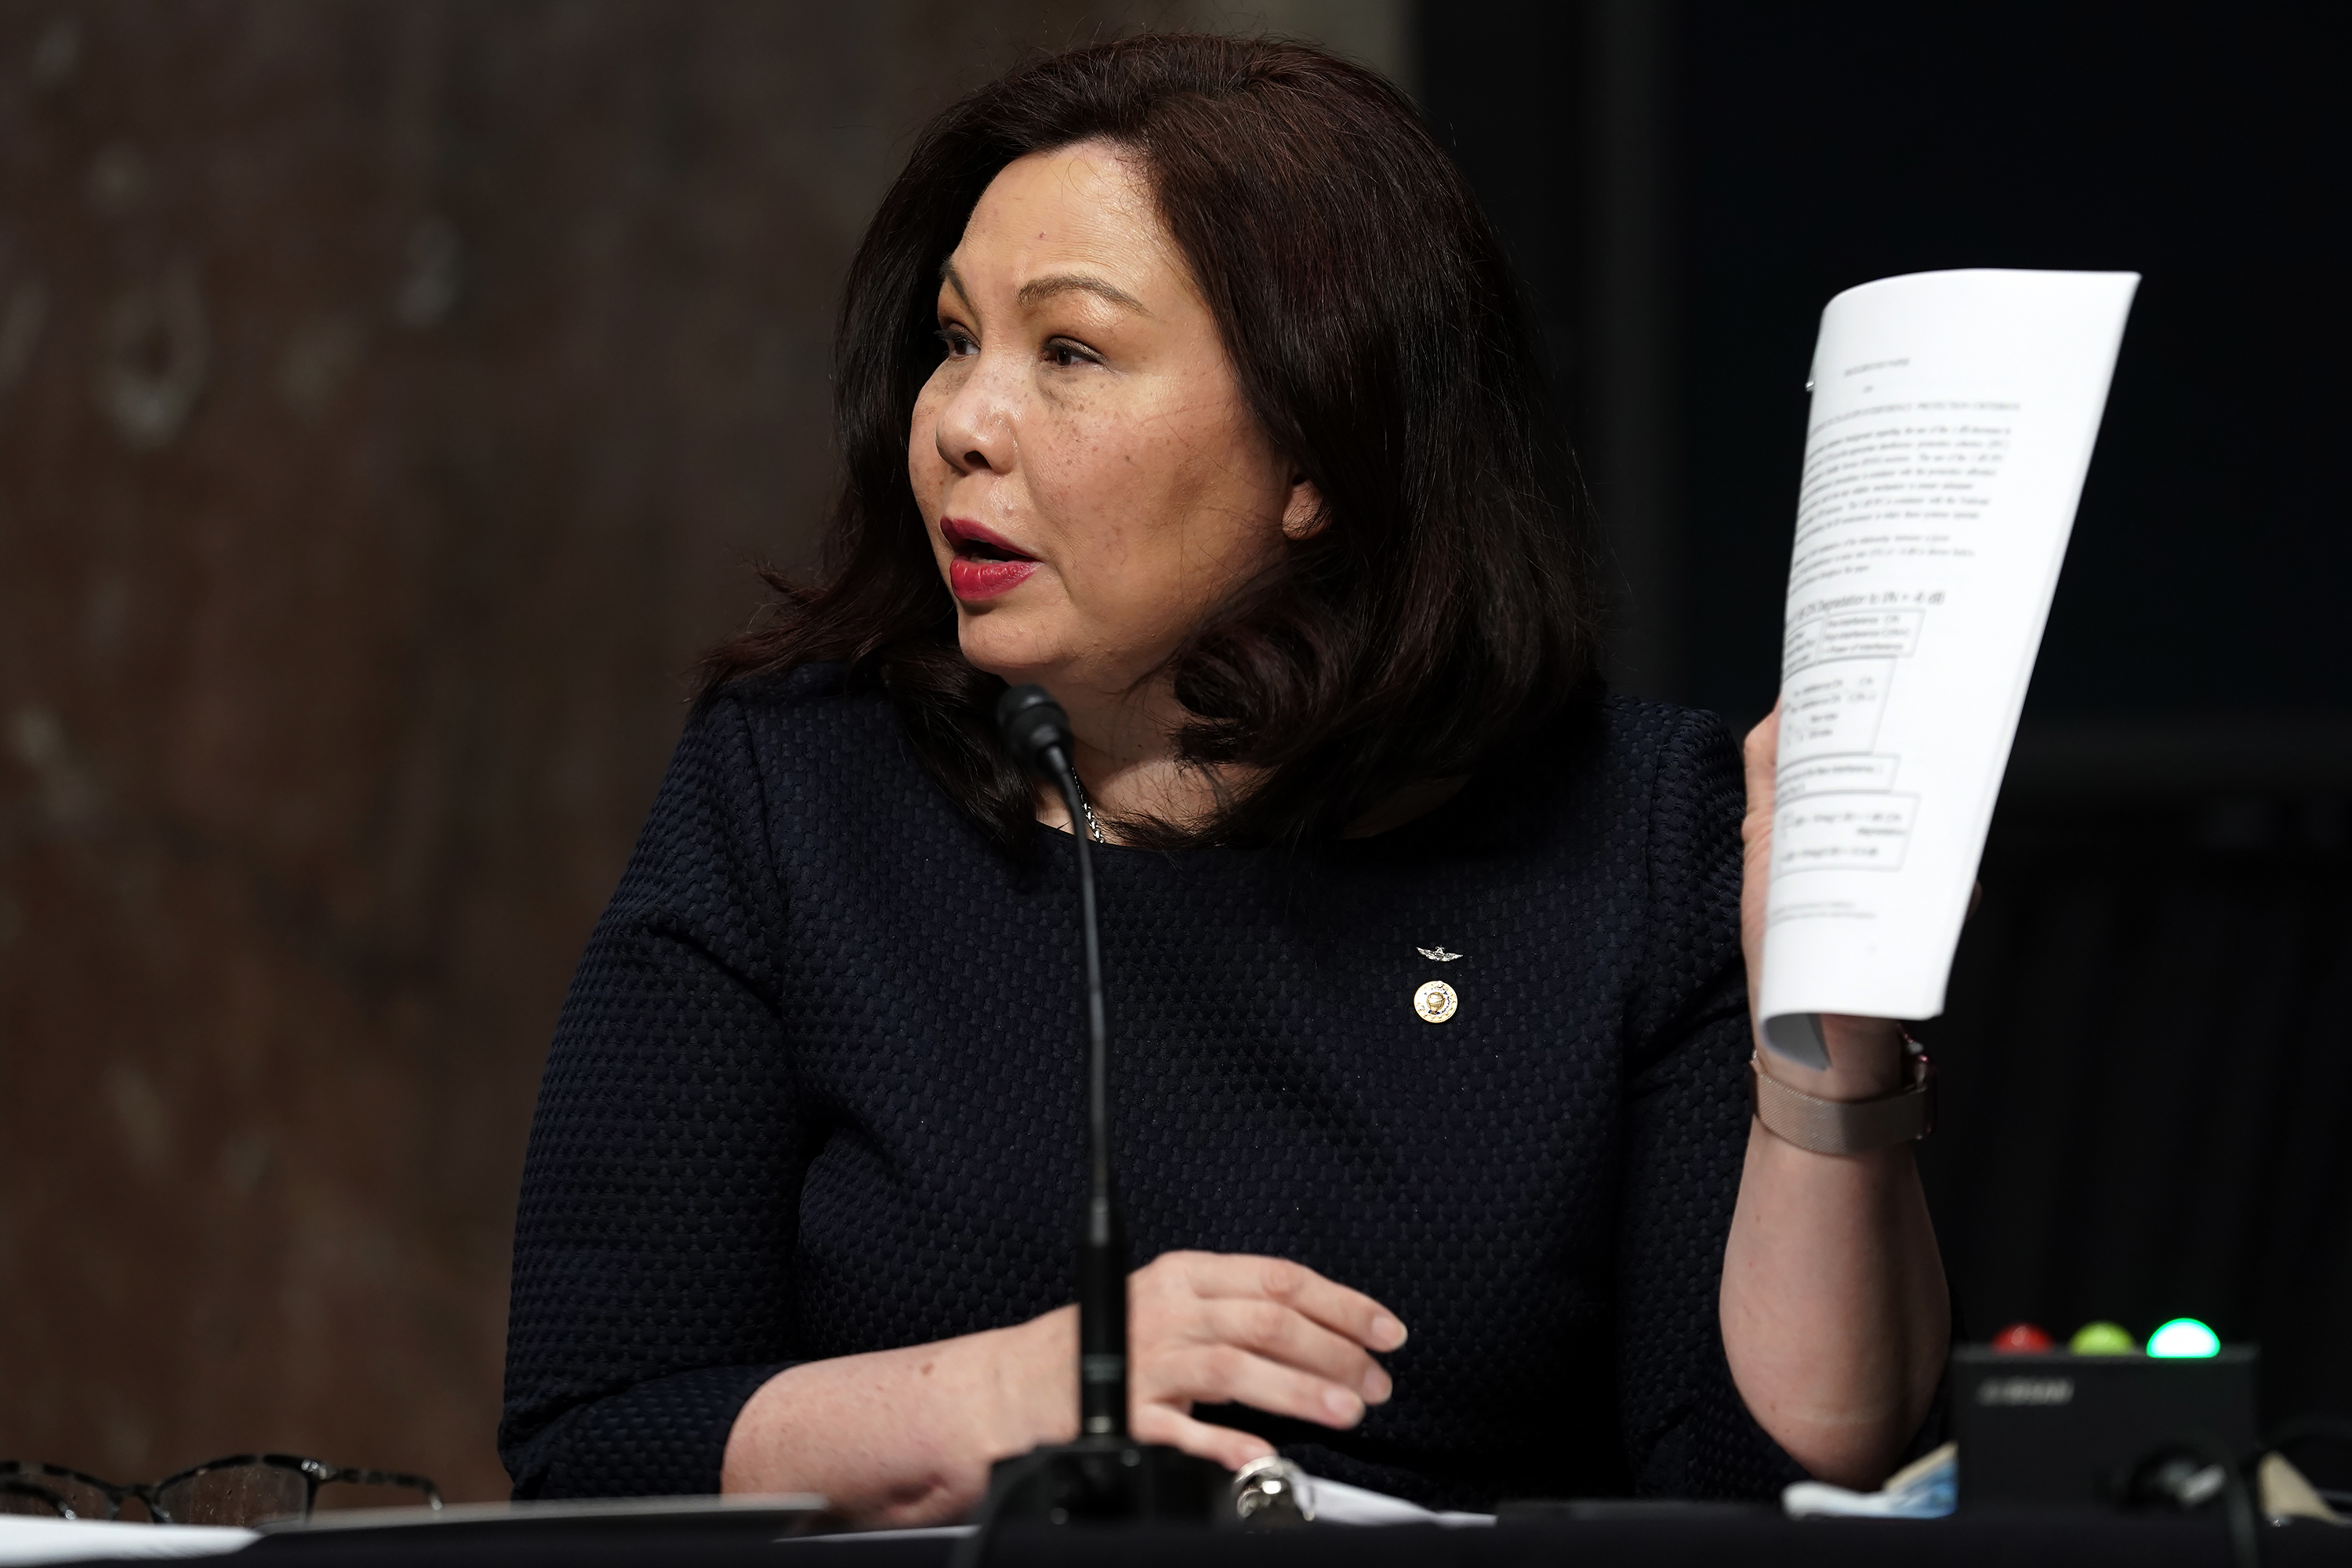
(818, 1091)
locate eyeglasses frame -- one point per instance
(22, 1477)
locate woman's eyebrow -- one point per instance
(1045, 287)
(949, 275)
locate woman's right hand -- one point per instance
(1217, 1327)
(905, 1436)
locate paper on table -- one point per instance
(27, 1539)
(1952, 421)
(1337, 1502)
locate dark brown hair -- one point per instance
(1442, 613)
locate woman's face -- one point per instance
(1091, 477)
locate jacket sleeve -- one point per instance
(1687, 1431)
(660, 1192)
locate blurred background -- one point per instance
(393, 393)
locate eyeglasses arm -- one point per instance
(383, 1478)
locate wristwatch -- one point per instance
(1847, 1126)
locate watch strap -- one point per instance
(1846, 1126)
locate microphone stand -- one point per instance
(1102, 1235)
(1105, 1475)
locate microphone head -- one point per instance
(1035, 730)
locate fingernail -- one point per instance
(1342, 1404)
(1387, 1333)
(1377, 1386)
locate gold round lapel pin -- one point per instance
(1434, 1003)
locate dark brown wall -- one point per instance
(390, 395)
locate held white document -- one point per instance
(1952, 420)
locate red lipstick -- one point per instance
(986, 564)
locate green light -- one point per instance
(2102, 1339)
(2184, 1338)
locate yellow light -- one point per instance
(2101, 1338)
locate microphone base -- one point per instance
(1099, 1481)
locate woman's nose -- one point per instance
(974, 433)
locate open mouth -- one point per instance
(986, 564)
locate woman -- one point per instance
(1182, 376)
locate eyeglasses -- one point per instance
(244, 1488)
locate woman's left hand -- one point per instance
(1835, 1315)
(1865, 1054)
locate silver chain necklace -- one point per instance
(1094, 829)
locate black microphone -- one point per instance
(1106, 1475)
(1037, 733)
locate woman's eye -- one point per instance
(956, 340)
(1066, 354)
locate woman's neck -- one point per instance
(1129, 766)
(1128, 762)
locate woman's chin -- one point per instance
(998, 643)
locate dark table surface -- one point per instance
(1756, 1540)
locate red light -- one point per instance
(2022, 1338)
